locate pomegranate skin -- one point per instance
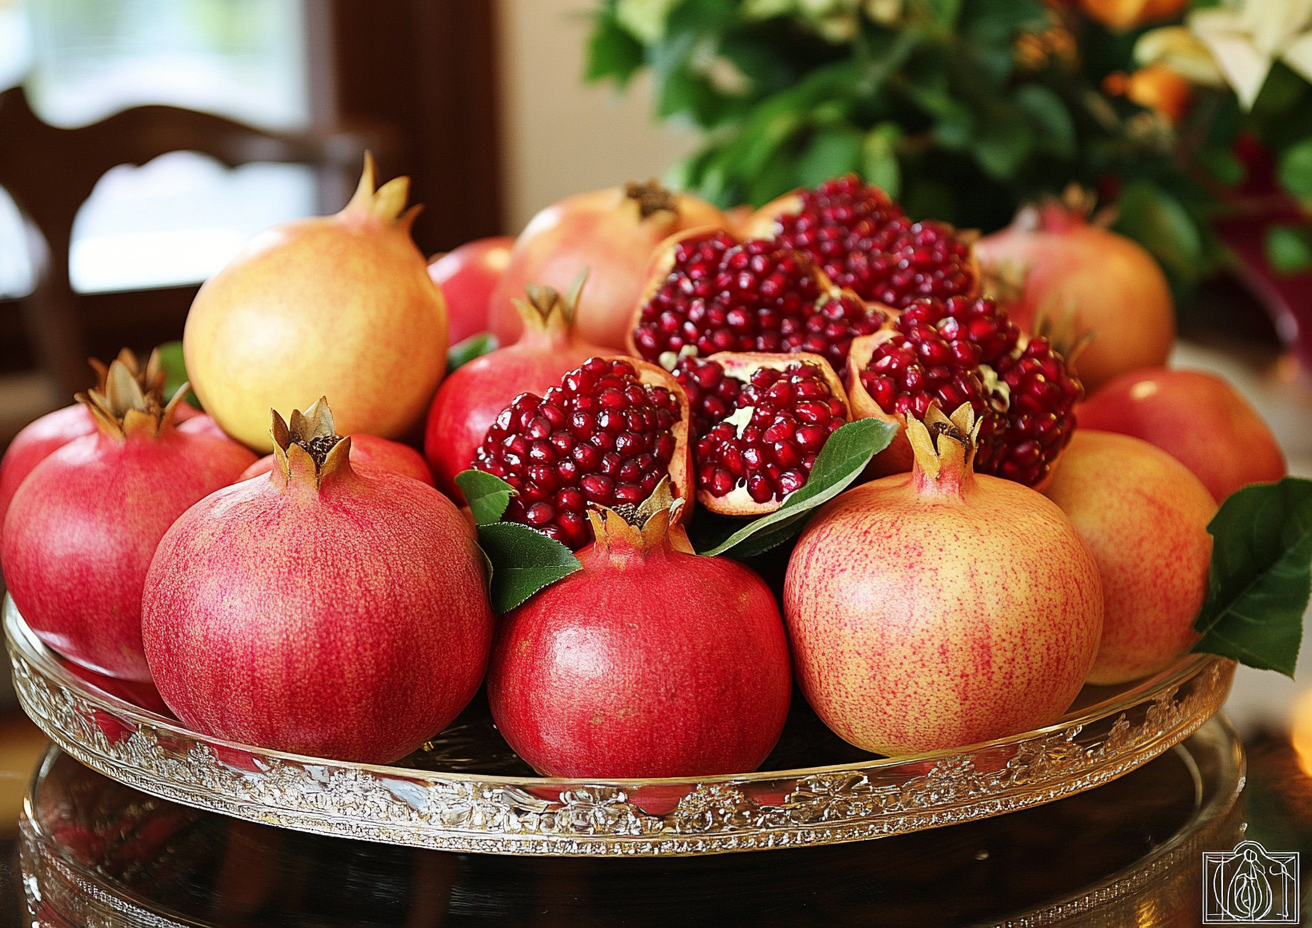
(1144, 516)
(83, 526)
(368, 452)
(1197, 418)
(37, 441)
(923, 621)
(345, 624)
(467, 275)
(670, 665)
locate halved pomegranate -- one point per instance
(758, 422)
(606, 436)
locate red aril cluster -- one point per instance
(606, 436)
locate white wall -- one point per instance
(562, 136)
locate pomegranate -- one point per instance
(758, 423)
(605, 436)
(467, 276)
(1110, 286)
(649, 662)
(321, 611)
(339, 305)
(942, 607)
(708, 292)
(83, 526)
(865, 243)
(1197, 418)
(1144, 516)
(963, 350)
(612, 232)
(469, 400)
(368, 453)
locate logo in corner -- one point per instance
(1250, 886)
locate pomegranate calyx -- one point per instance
(309, 450)
(650, 525)
(548, 312)
(944, 447)
(128, 400)
(383, 205)
(651, 198)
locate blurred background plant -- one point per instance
(1193, 120)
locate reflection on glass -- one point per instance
(239, 58)
(179, 219)
(16, 274)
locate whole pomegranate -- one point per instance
(1197, 418)
(368, 452)
(1108, 285)
(942, 607)
(1145, 518)
(606, 435)
(467, 275)
(82, 528)
(339, 305)
(649, 662)
(612, 232)
(321, 611)
(469, 401)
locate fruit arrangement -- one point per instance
(682, 403)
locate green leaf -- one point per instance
(842, 459)
(487, 495)
(1222, 164)
(1049, 115)
(879, 164)
(523, 561)
(831, 153)
(1289, 248)
(175, 372)
(1260, 577)
(475, 346)
(1296, 169)
(1004, 143)
(1155, 219)
(612, 50)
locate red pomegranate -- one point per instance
(368, 453)
(612, 232)
(467, 275)
(1197, 418)
(83, 526)
(321, 611)
(1144, 517)
(606, 436)
(942, 607)
(964, 350)
(1108, 285)
(758, 423)
(469, 401)
(649, 662)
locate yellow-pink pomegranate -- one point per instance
(941, 608)
(1144, 516)
(339, 305)
(320, 611)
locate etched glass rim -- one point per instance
(22, 639)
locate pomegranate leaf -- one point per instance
(175, 372)
(1260, 577)
(523, 561)
(487, 495)
(842, 459)
(475, 346)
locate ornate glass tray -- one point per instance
(466, 791)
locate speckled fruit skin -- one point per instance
(1144, 516)
(1197, 418)
(672, 665)
(83, 526)
(926, 623)
(37, 441)
(368, 452)
(348, 625)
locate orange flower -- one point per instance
(1129, 14)
(1155, 87)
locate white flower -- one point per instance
(1180, 50)
(1246, 37)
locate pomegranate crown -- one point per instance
(651, 524)
(383, 205)
(129, 399)
(651, 198)
(941, 444)
(547, 309)
(309, 449)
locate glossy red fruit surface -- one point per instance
(649, 662)
(319, 611)
(467, 275)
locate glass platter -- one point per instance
(466, 791)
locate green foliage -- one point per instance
(175, 372)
